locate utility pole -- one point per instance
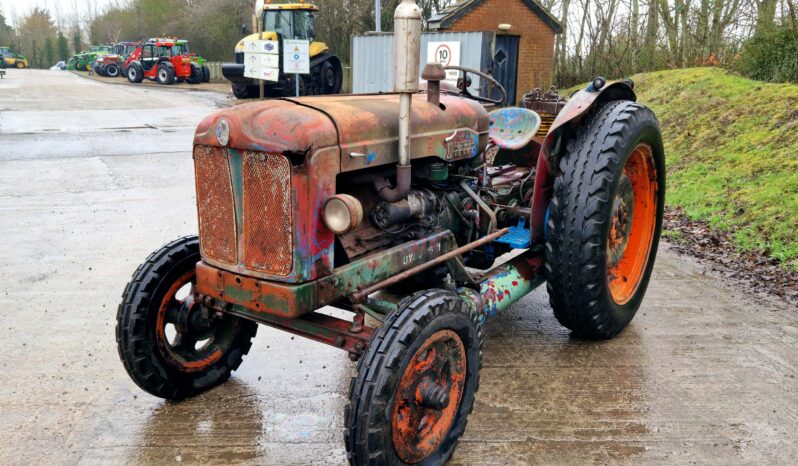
(378, 15)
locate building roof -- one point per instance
(449, 15)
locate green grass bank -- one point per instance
(732, 154)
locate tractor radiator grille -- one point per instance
(215, 206)
(267, 221)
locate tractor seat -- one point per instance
(513, 128)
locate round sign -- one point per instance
(443, 55)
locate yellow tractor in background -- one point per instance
(287, 21)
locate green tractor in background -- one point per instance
(85, 60)
(288, 21)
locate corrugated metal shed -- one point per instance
(372, 57)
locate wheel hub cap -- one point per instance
(187, 336)
(428, 396)
(621, 223)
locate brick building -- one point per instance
(531, 32)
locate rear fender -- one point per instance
(579, 105)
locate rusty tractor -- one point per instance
(423, 213)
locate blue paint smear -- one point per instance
(371, 157)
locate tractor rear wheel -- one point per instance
(170, 346)
(112, 70)
(206, 74)
(135, 73)
(416, 383)
(165, 74)
(605, 218)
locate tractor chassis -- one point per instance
(293, 308)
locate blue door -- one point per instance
(505, 65)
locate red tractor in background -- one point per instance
(161, 61)
(111, 65)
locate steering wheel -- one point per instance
(464, 83)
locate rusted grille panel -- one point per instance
(267, 213)
(215, 208)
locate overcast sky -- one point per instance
(65, 7)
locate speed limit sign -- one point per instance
(447, 54)
(443, 55)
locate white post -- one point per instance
(297, 78)
(378, 15)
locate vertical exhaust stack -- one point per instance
(407, 51)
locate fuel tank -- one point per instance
(365, 127)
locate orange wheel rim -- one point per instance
(632, 224)
(428, 396)
(182, 351)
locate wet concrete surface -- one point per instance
(702, 375)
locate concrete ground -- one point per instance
(94, 177)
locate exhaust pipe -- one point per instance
(407, 51)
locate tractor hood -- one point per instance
(366, 127)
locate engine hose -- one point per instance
(481, 204)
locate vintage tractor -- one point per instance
(288, 21)
(110, 64)
(161, 61)
(423, 215)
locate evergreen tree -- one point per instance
(62, 46)
(77, 41)
(6, 32)
(49, 52)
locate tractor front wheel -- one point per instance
(206, 74)
(605, 218)
(171, 346)
(135, 73)
(20, 65)
(416, 383)
(112, 71)
(330, 77)
(165, 74)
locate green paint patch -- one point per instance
(732, 154)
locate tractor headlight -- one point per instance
(342, 213)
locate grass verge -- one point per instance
(732, 154)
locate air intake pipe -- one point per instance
(407, 50)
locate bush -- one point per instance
(772, 54)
